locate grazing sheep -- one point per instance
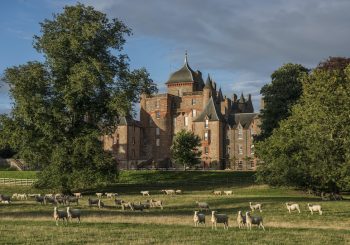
(255, 220)
(58, 195)
(292, 207)
(58, 214)
(77, 195)
(126, 205)
(146, 205)
(203, 205)
(5, 199)
(228, 193)
(22, 196)
(40, 199)
(255, 206)
(93, 202)
(48, 195)
(34, 195)
(14, 196)
(218, 218)
(144, 193)
(118, 202)
(198, 218)
(241, 220)
(169, 192)
(99, 194)
(60, 200)
(70, 199)
(155, 203)
(111, 195)
(315, 208)
(137, 207)
(100, 204)
(178, 192)
(51, 200)
(217, 193)
(73, 214)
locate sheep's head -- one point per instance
(239, 212)
(213, 212)
(195, 212)
(247, 214)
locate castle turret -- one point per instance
(207, 91)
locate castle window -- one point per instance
(157, 103)
(206, 150)
(240, 132)
(228, 150)
(194, 113)
(194, 101)
(158, 142)
(186, 120)
(174, 121)
(157, 114)
(206, 125)
(240, 165)
(251, 164)
(252, 150)
(157, 131)
(240, 149)
(206, 135)
(150, 121)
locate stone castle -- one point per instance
(226, 126)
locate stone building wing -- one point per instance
(211, 111)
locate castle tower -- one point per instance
(207, 91)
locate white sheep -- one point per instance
(126, 205)
(111, 195)
(155, 203)
(178, 192)
(78, 195)
(198, 218)
(256, 220)
(241, 220)
(168, 192)
(145, 193)
(217, 193)
(292, 207)
(255, 206)
(315, 208)
(228, 193)
(14, 196)
(218, 218)
(73, 214)
(99, 194)
(57, 215)
(22, 196)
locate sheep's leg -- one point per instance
(262, 226)
(56, 222)
(298, 210)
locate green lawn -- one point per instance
(28, 222)
(18, 174)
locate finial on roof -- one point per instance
(208, 82)
(186, 57)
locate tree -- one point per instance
(311, 147)
(279, 96)
(62, 107)
(184, 149)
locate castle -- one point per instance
(226, 126)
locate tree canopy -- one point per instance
(63, 106)
(310, 149)
(279, 96)
(184, 149)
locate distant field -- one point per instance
(174, 224)
(18, 174)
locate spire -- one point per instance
(241, 99)
(186, 59)
(220, 96)
(208, 82)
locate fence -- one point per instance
(12, 181)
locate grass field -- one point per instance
(24, 222)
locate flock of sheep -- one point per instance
(243, 220)
(199, 217)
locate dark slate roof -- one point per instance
(128, 120)
(220, 96)
(208, 83)
(244, 119)
(185, 74)
(211, 110)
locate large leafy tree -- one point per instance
(63, 106)
(311, 147)
(279, 96)
(184, 149)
